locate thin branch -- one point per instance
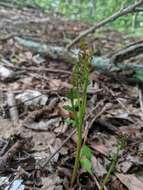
(64, 142)
(111, 18)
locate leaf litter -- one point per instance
(114, 109)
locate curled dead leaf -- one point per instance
(130, 181)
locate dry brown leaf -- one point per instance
(100, 148)
(54, 147)
(56, 84)
(63, 112)
(61, 129)
(98, 168)
(43, 125)
(130, 131)
(28, 55)
(130, 181)
(50, 182)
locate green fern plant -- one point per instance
(78, 98)
(114, 159)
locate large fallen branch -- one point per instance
(101, 64)
(52, 52)
(111, 18)
(130, 51)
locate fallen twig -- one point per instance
(130, 51)
(114, 96)
(6, 158)
(64, 142)
(4, 148)
(93, 120)
(111, 18)
(56, 52)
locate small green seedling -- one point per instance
(78, 98)
(85, 158)
(114, 158)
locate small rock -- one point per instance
(32, 98)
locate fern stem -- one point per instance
(112, 166)
(77, 158)
(81, 86)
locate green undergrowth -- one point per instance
(78, 98)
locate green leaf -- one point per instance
(72, 94)
(139, 75)
(86, 164)
(71, 108)
(68, 108)
(85, 158)
(86, 152)
(70, 122)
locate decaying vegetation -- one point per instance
(59, 78)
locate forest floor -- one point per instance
(35, 86)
